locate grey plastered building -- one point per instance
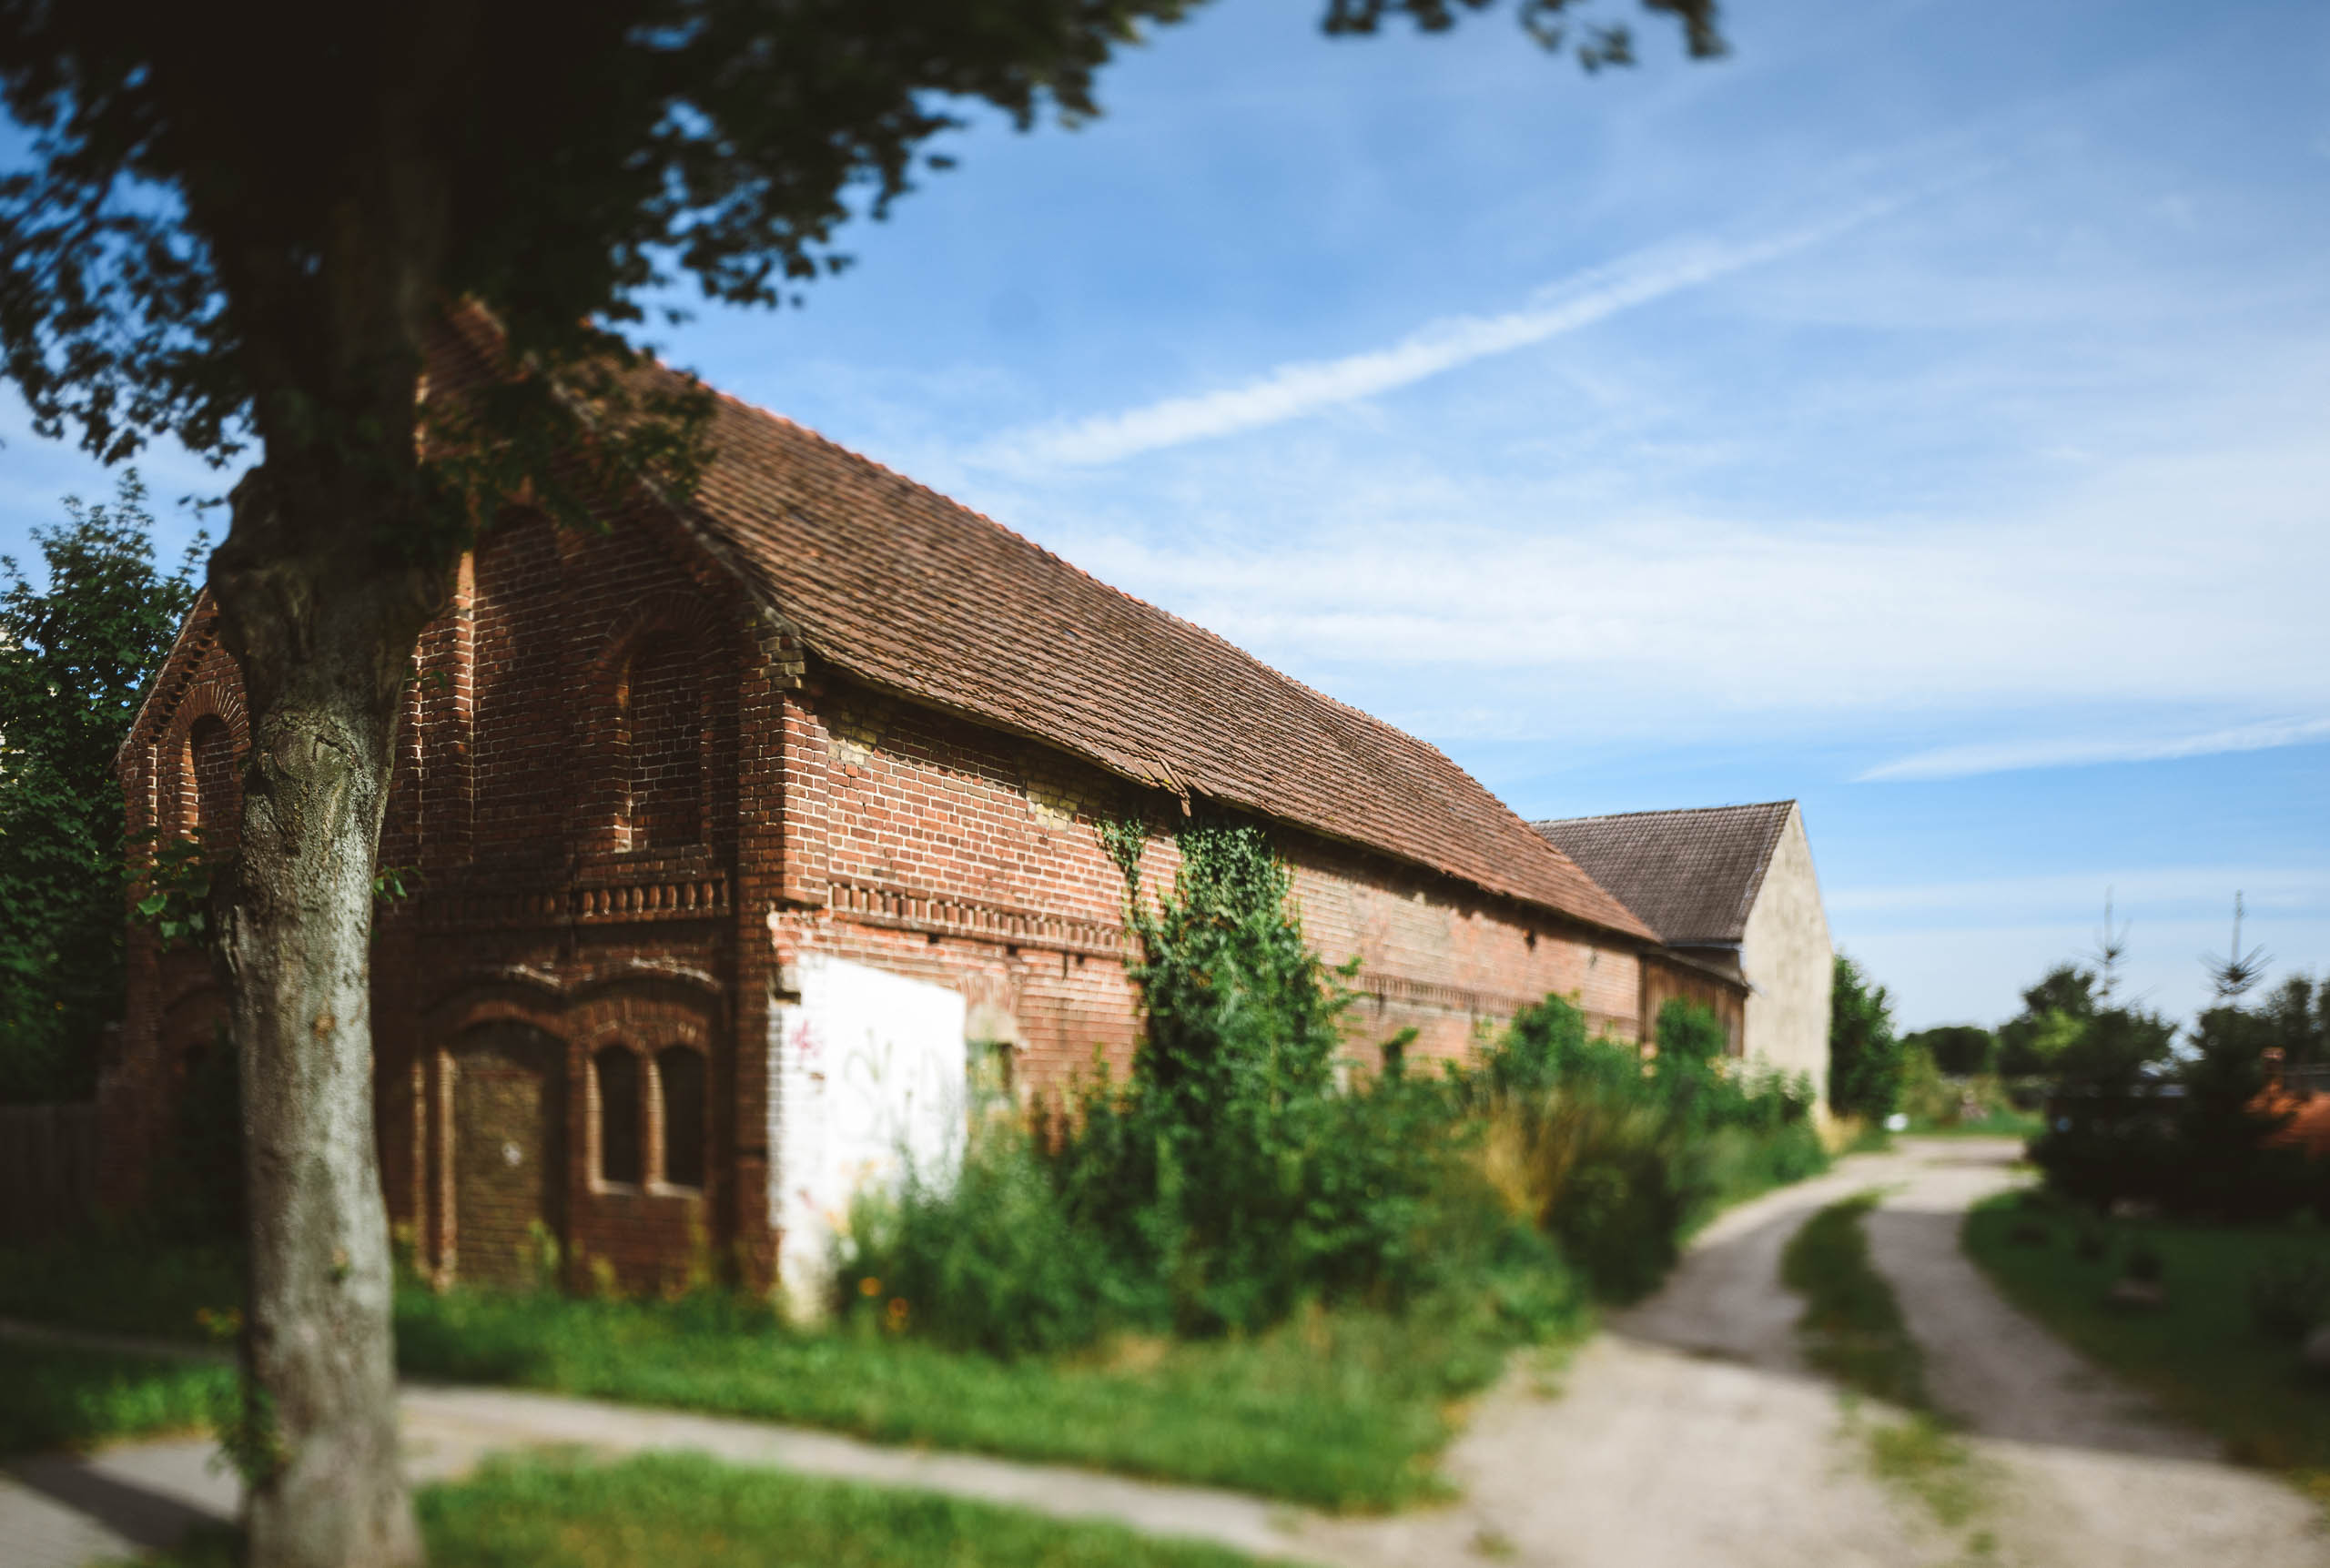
(1734, 888)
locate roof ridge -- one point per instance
(913, 483)
(1693, 872)
(878, 466)
(1350, 710)
(1665, 811)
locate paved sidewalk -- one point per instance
(61, 1510)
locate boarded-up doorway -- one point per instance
(509, 1151)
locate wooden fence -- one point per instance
(48, 1168)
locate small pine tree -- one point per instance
(2228, 1164)
(2236, 973)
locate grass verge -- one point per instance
(1346, 1410)
(54, 1396)
(682, 1510)
(2199, 1353)
(1852, 1329)
(2001, 1122)
(1852, 1326)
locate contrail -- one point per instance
(1295, 390)
(1965, 762)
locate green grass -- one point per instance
(682, 1510)
(1922, 1457)
(1744, 1165)
(2199, 1355)
(1852, 1329)
(57, 1397)
(1851, 1326)
(2002, 1121)
(1343, 1409)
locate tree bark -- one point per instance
(323, 622)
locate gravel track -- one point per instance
(1691, 1434)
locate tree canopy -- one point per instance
(75, 657)
(247, 222)
(2296, 1016)
(238, 221)
(1864, 1052)
(2067, 1030)
(1959, 1049)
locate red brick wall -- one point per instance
(946, 851)
(570, 789)
(180, 771)
(628, 803)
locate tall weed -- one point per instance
(1616, 1158)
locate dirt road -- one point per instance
(1692, 1436)
(1689, 1436)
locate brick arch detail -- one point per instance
(604, 819)
(216, 692)
(646, 1231)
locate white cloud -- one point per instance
(2201, 888)
(1408, 585)
(2076, 751)
(1306, 387)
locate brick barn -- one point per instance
(813, 764)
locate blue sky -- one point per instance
(1922, 413)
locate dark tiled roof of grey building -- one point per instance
(1692, 874)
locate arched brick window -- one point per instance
(211, 795)
(679, 1078)
(614, 1072)
(663, 705)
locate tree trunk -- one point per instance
(323, 622)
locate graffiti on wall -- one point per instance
(869, 1083)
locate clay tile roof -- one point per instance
(904, 588)
(1693, 875)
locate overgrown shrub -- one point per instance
(2101, 1156)
(1229, 1179)
(1615, 1158)
(2233, 1164)
(2290, 1295)
(994, 1261)
(1926, 1097)
(2199, 1140)
(1958, 1050)
(1602, 1171)
(1237, 1175)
